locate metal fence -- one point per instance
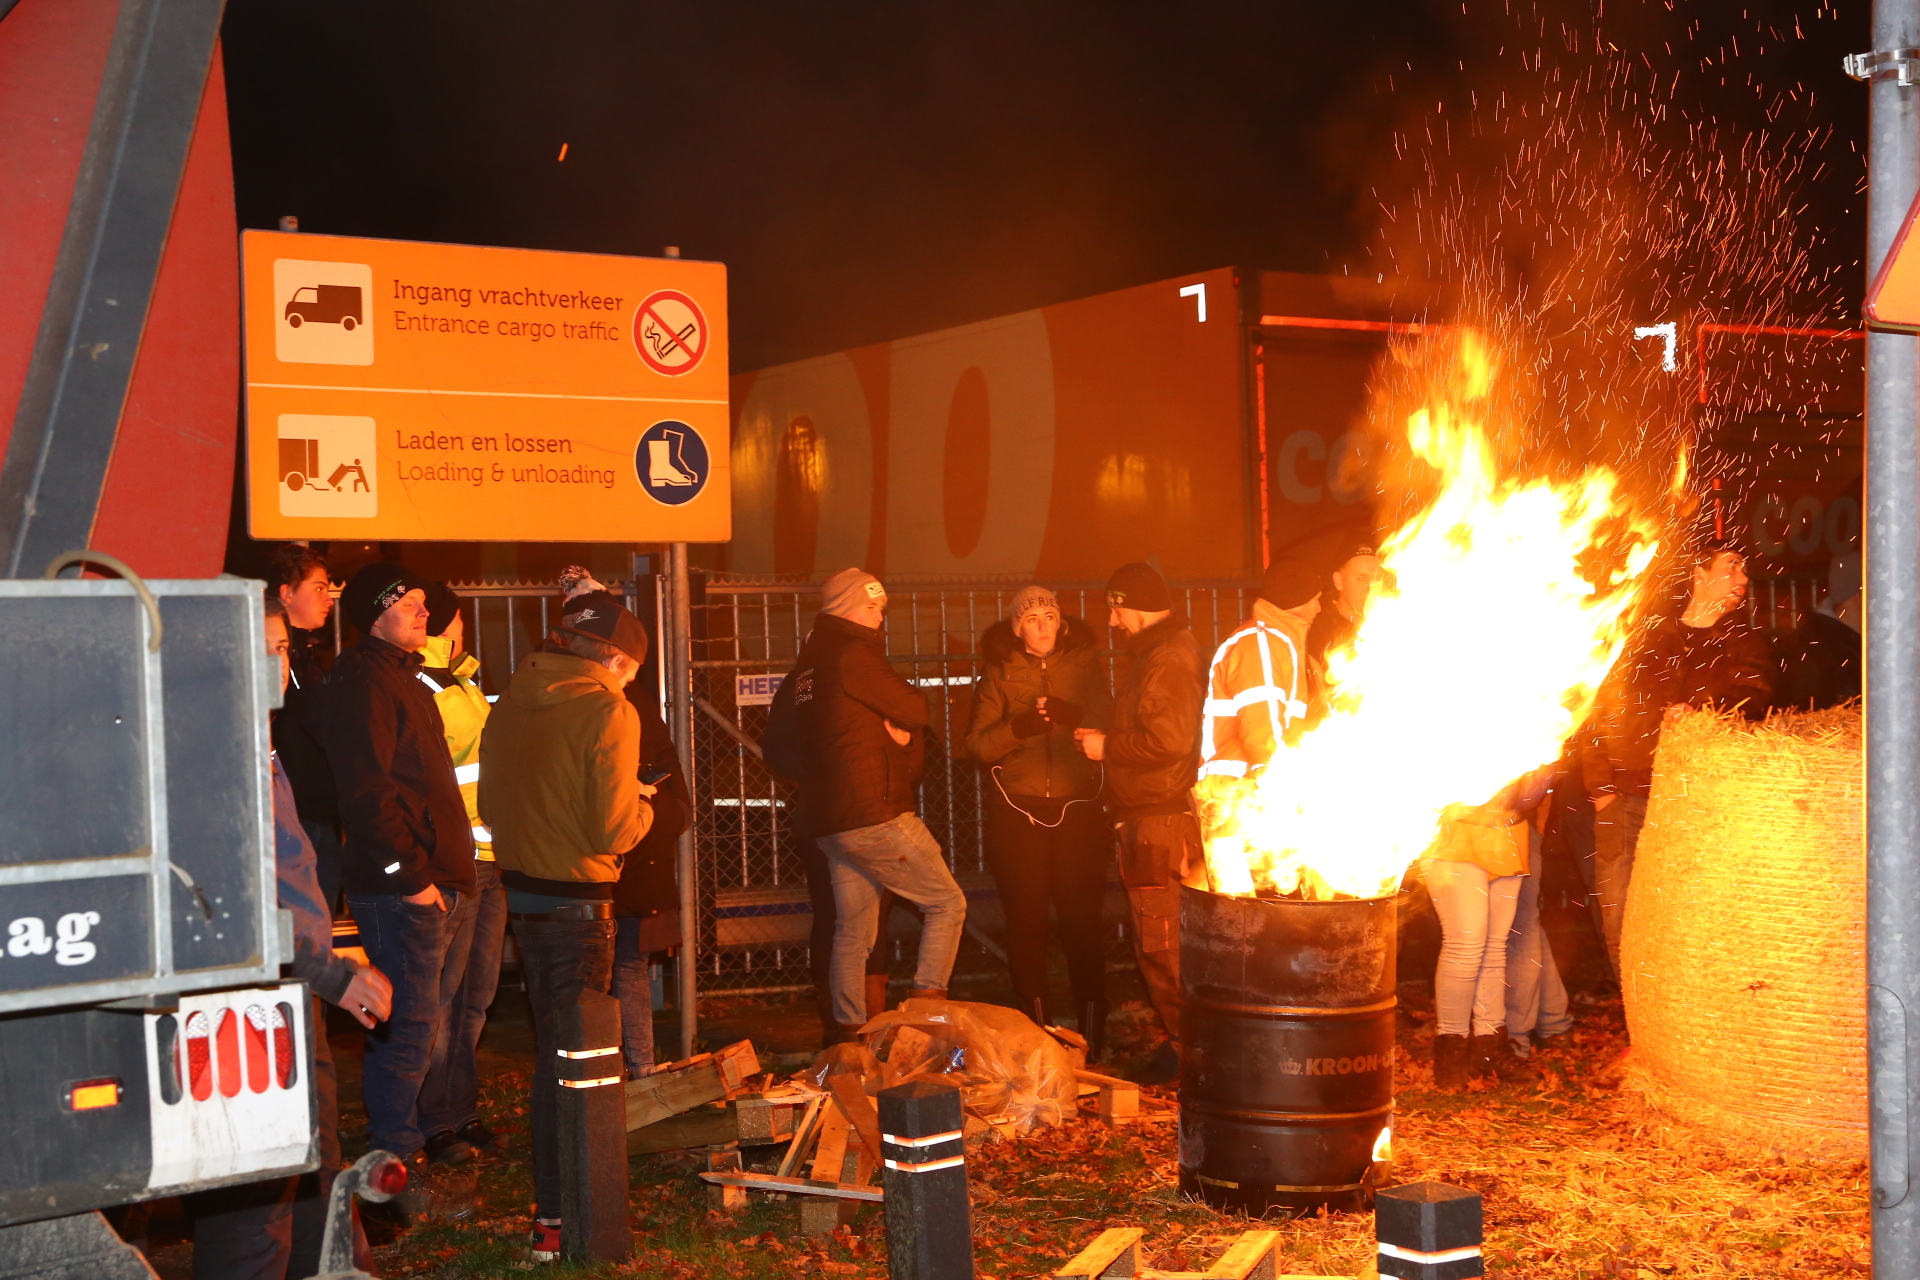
(753, 913)
(753, 898)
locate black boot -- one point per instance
(1093, 1026)
(1493, 1055)
(1450, 1069)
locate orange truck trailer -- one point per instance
(1202, 421)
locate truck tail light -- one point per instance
(287, 1070)
(199, 1056)
(257, 1065)
(166, 1043)
(226, 1047)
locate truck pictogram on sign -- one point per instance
(339, 304)
(670, 332)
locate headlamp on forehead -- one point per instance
(1116, 599)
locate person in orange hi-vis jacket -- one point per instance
(1260, 683)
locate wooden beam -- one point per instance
(794, 1186)
(1113, 1255)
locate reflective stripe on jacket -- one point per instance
(1254, 693)
(463, 708)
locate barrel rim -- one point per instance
(1296, 1119)
(1297, 902)
(1274, 1012)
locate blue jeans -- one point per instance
(450, 1098)
(1536, 998)
(633, 988)
(901, 855)
(415, 946)
(1476, 914)
(561, 958)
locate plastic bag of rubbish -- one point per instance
(1006, 1067)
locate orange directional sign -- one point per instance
(398, 390)
(1894, 300)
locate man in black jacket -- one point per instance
(409, 844)
(1152, 754)
(852, 732)
(1709, 656)
(299, 581)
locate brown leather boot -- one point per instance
(1493, 1055)
(927, 993)
(876, 995)
(1450, 1066)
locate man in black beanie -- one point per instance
(1151, 757)
(409, 844)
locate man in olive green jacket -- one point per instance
(560, 789)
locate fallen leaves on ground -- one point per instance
(1579, 1181)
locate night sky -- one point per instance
(869, 171)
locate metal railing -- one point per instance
(753, 916)
(753, 900)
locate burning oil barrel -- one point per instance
(1286, 1082)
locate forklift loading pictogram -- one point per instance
(300, 469)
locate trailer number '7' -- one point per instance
(1198, 292)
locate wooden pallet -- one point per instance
(1115, 1255)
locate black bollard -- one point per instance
(929, 1228)
(1428, 1231)
(594, 1224)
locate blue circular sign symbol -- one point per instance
(672, 463)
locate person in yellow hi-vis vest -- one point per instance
(1260, 683)
(449, 1100)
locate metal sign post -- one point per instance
(1893, 649)
(676, 668)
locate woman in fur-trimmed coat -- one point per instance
(1048, 838)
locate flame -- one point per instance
(1480, 653)
(1383, 1145)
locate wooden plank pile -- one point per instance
(1115, 1253)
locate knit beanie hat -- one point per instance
(848, 589)
(1138, 586)
(1292, 580)
(442, 607)
(374, 589)
(577, 580)
(1030, 598)
(601, 616)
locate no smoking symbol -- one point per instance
(670, 331)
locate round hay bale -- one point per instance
(1744, 944)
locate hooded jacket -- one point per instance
(1045, 764)
(1153, 749)
(1257, 693)
(825, 730)
(560, 777)
(406, 824)
(1728, 665)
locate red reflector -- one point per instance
(91, 1095)
(226, 1051)
(389, 1177)
(284, 1074)
(199, 1056)
(256, 1048)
